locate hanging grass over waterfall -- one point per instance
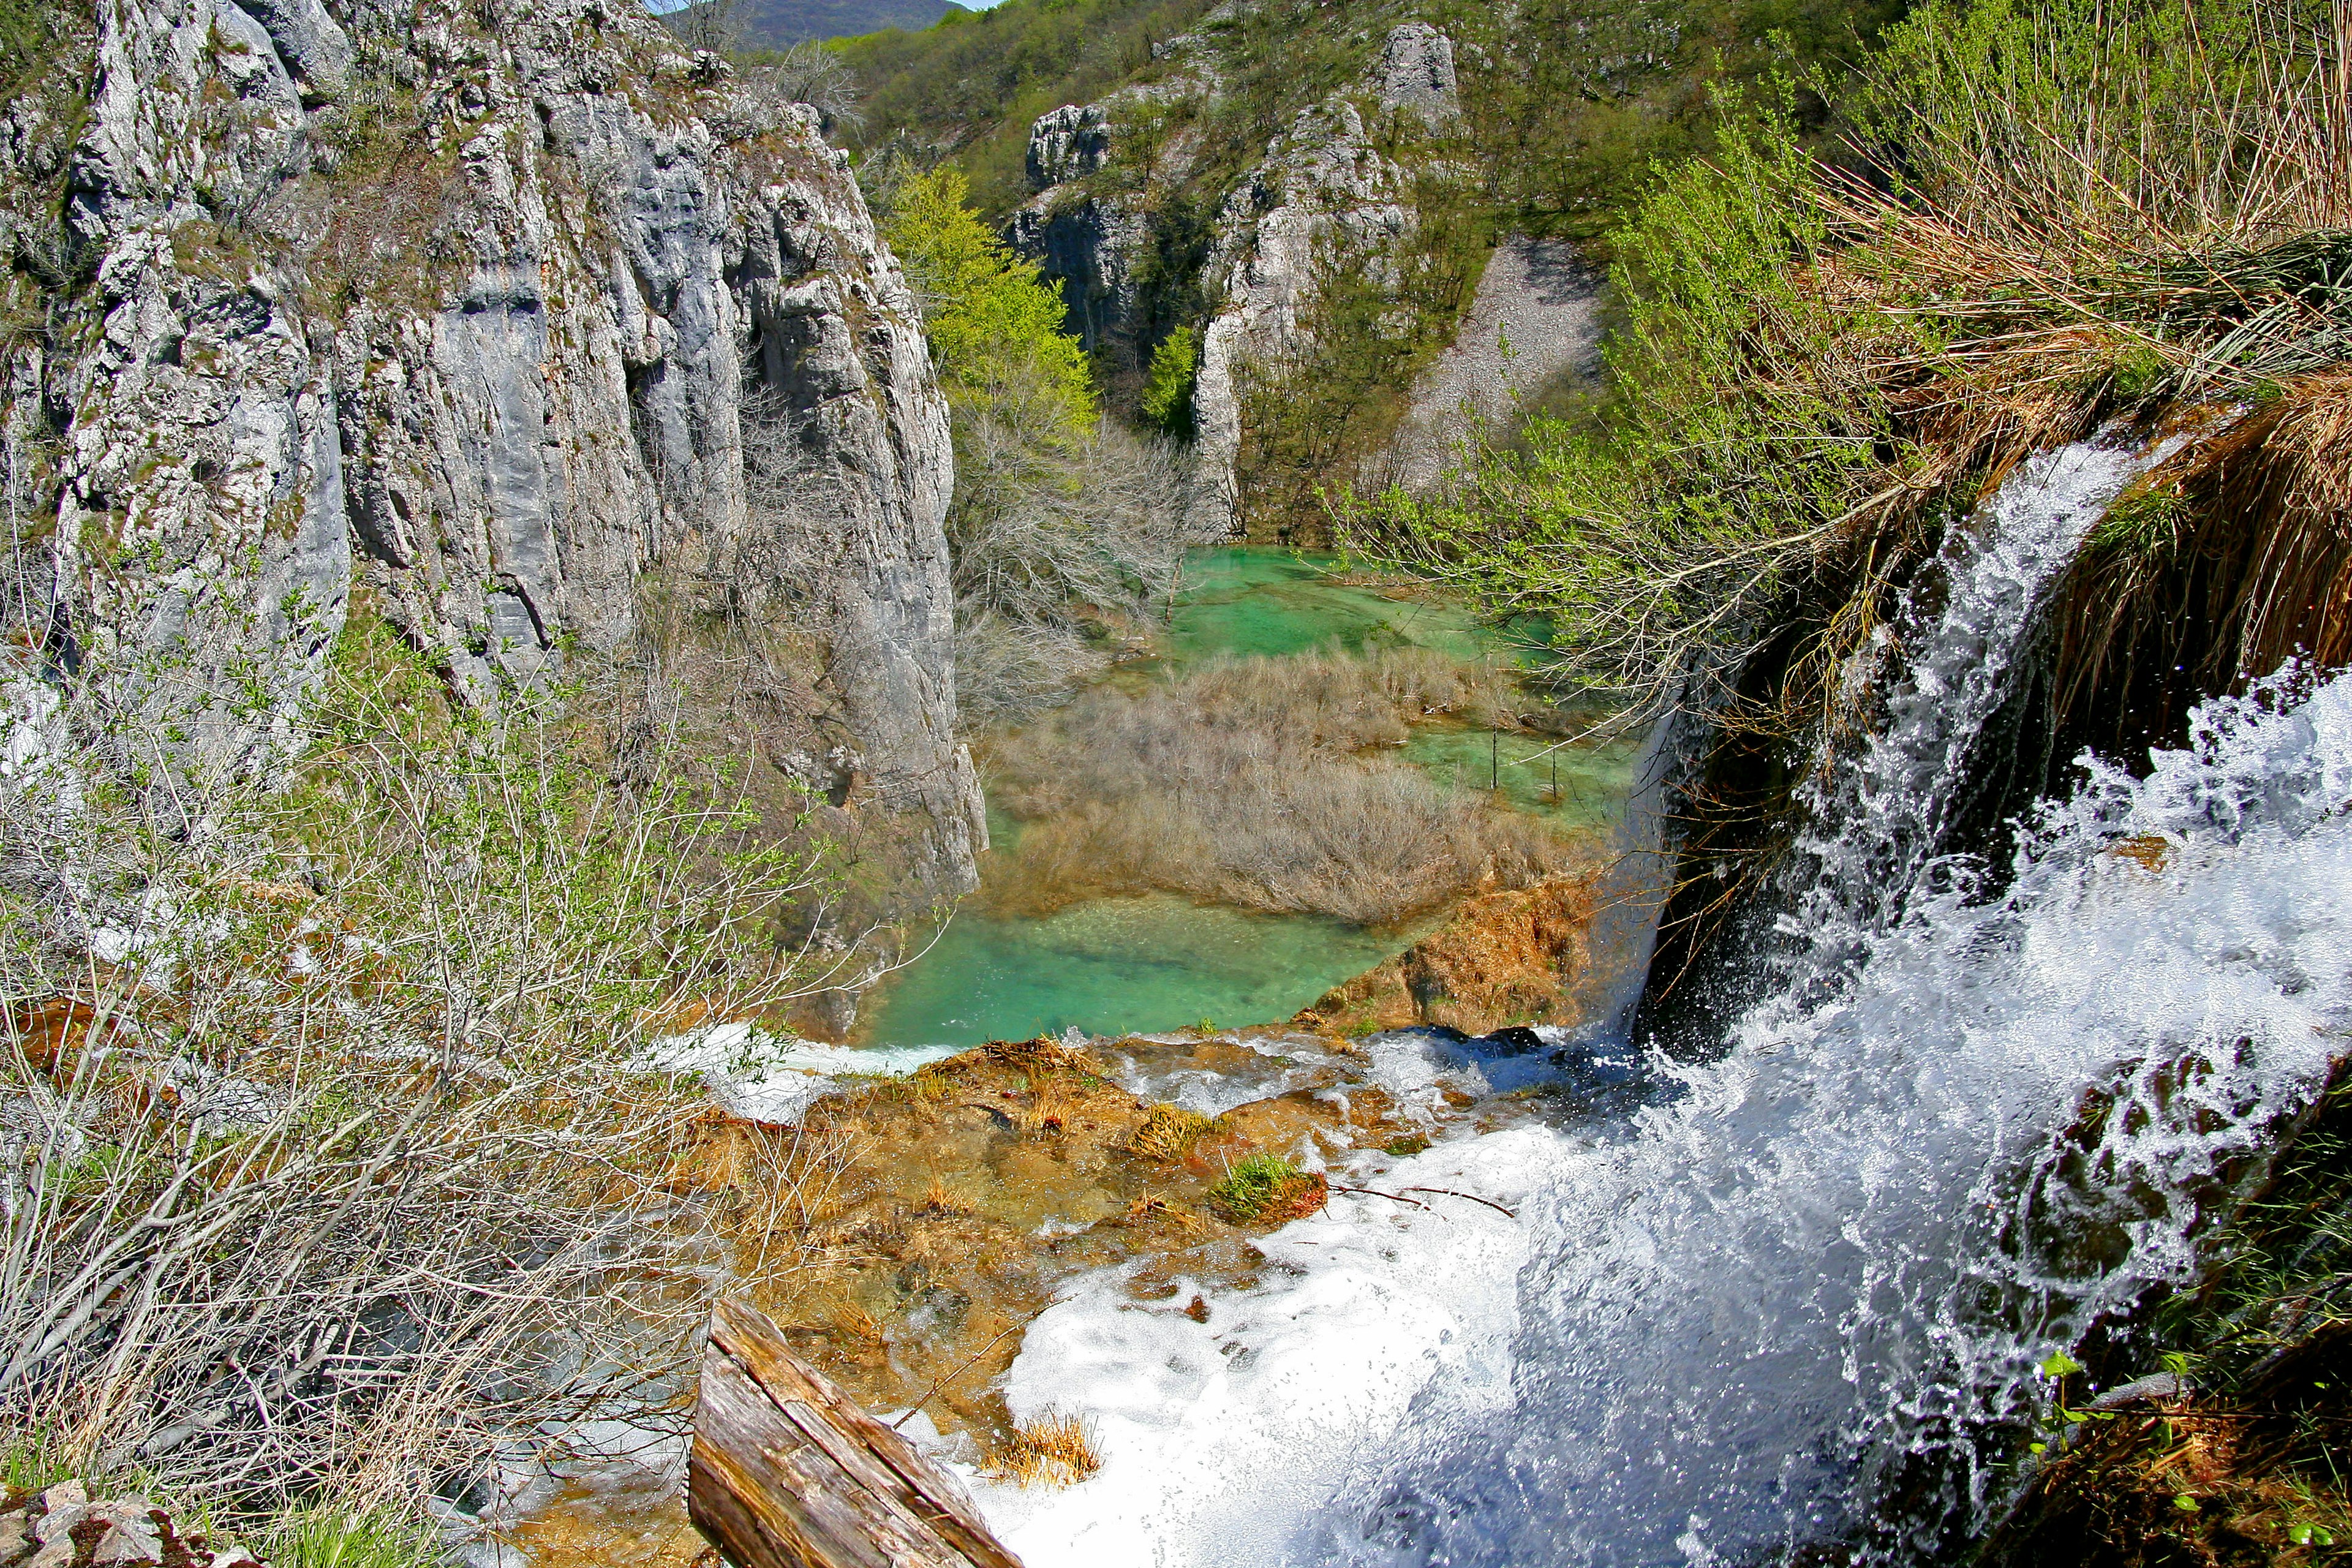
(2035, 219)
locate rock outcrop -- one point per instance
(1323, 196)
(60, 1526)
(512, 317)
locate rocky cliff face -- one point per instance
(1324, 196)
(512, 317)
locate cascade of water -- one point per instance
(1876, 822)
(1844, 1248)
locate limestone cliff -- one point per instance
(512, 317)
(1329, 194)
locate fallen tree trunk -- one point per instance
(789, 1472)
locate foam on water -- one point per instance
(1874, 824)
(771, 1078)
(1838, 1250)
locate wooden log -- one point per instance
(788, 1471)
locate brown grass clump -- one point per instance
(1168, 1132)
(1045, 1054)
(1052, 1106)
(1259, 783)
(945, 1200)
(1055, 1450)
(1152, 1209)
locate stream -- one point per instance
(1119, 965)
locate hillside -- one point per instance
(780, 24)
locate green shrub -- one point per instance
(330, 1537)
(1267, 1187)
(1813, 368)
(1167, 399)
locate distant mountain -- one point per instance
(780, 24)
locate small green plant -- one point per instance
(2142, 522)
(1409, 1144)
(331, 1537)
(1266, 1186)
(32, 1460)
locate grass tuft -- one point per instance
(339, 1538)
(1268, 1188)
(1056, 1449)
(1168, 1132)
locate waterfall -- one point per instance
(1832, 1260)
(1873, 823)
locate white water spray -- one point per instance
(1836, 1257)
(1875, 823)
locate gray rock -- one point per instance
(57, 1510)
(1093, 249)
(131, 1536)
(312, 44)
(1324, 190)
(1417, 71)
(1068, 144)
(16, 1536)
(618, 318)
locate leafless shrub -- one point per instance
(810, 73)
(336, 1161)
(1054, 544)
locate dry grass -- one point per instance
(946, 1200)
(1054, 1450)
(1168, 1132)
(1051, 1106)
(1256, 782)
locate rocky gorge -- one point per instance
(1777, 899)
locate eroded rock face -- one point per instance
(511, 314)
(1322, 190)
(1323, 193)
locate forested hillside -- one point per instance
(756, 24)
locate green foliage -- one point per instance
(389, 1013)
(1575, 103)
(972, 84)
(995, 327)
(1167, 399)
(330, 1537)
(1061, 522)
(34, 34)
(34, 1459)
(2062, 213)
(1255, 1184)
(1730, 440)
(1311, 417)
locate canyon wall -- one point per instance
(509, 323)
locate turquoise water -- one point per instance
(1247, 601)
(1117, 966)
(1579, 787)
(1157, 961)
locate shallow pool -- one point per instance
(1157, 962)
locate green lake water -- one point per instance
(1249, 600)
(1157, 961)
